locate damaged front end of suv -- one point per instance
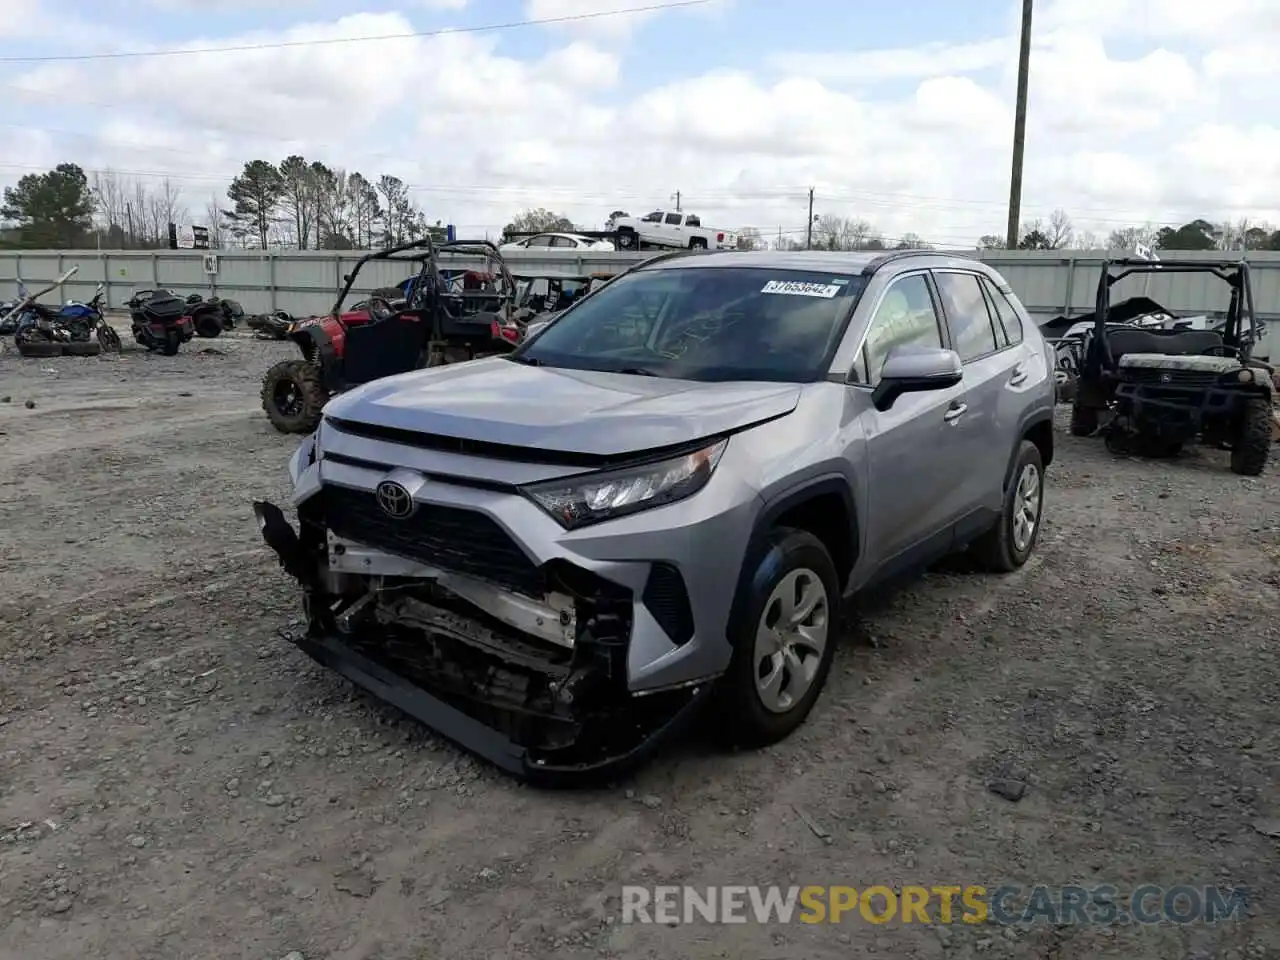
(436, 609)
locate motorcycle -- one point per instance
(160, 321)
(85, 319)
(40, 330)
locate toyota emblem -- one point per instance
(396, 502)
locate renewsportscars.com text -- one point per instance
(971, 904)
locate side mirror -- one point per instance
(346, 278)
(915, 370)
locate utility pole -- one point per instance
(677, 199)
(808, 236)
(1019, 129)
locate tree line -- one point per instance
(307, 205)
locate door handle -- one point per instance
(1019, 374)
(955, 413)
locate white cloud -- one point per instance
(913, 140)
(451, 6)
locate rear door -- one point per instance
(990, 368)
(673, 229)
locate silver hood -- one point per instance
(576, 411)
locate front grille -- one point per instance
(668, 601)
(1175, 378)
(451, 538)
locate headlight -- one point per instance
(579, 501)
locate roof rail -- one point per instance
(892, 255)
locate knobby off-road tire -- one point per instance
(1084, 420)
(1252, 446)
(303, 381)
(208, 324)
(1010, 543)
(788, 558)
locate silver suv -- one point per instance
(555, 557)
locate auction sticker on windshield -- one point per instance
(796, 288)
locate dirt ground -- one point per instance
(178, 782)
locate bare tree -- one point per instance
(749, 239)
(1059, 230)
(213, 216)
(1128, 238)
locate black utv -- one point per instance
(1166, 387)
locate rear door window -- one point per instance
(1005, 314)
(972, 333)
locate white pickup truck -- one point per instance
(670, 229)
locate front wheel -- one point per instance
(1008, 545)
(1251, 446)
(172, 342)
(783, 642)
(109, 339)
(293, 394)
(627, 240)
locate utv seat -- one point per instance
(1169, 343)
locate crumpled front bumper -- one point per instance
(657, 717)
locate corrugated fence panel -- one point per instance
(306, 282)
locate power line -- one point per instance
(413, 35)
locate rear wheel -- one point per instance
(1252, 445)
(1008, 545)
(784, 641)
(698, 243)
(293, 394)
(82, 348)
(208, 324)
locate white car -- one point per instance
(558, 241)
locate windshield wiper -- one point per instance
(633, 371)
(527, 361)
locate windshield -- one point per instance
(703, 323)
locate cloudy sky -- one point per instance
(897, 113)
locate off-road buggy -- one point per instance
(1164, 388)
(448, 311)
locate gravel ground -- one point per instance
(178, 782)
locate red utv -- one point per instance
(447, 312)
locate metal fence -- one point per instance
(306, 282)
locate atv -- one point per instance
(446, 312)
(1164, 388)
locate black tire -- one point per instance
(293, 394)
(1252, 445)
(208, 324)
(627, 240)
(82, 348)
(697, 243)
(742, 719)
(39, 348)
(998, 550)
(172, 342)
(109, 339)
(1084, 420)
